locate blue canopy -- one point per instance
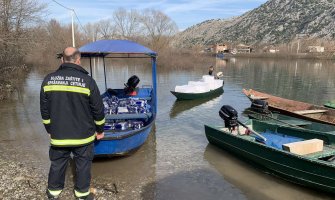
(106, 48)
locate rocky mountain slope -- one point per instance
(274, 22)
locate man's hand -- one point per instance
(100, 135)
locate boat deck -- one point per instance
(328, 150)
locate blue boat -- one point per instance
(119, 142)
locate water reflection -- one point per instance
(292, 79)
(199, 184)
(181, 106)
(254, 182)
(222, 62)
(129, 172)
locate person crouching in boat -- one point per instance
(211, 70)
(217, 75)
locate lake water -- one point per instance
(177, 162)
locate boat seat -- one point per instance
(306, 112)
(304, 147)
(142, 116)
(296, 122)
(257, 97)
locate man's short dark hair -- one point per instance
(71, 58)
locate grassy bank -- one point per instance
(184, 59)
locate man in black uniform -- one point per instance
(73, 116)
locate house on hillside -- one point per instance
(273, 50)
(316, 49)
(242, 48)
(220, 48)
(270, 49)
(216, 48)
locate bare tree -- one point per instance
(58, 36)
(92, 31)
(158, 27)
(17, 18)
(106, 29)
(126, 23)
(53, 37)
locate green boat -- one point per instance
(191, 96)
(330, 104)
(315, 170)
(284, 120)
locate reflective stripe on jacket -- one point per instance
(71, 106)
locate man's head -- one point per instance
(71, 55)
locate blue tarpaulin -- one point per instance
(277, 140)
(106, 47)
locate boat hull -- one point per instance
(191, 96)
(122, 143)
(285, 165)
(285, 120)
(292, 108)
(330, 105)
(119, 142)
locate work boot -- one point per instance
(51, 197)
(88, 197)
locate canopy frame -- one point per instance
(105, 49)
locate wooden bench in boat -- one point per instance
(296, 122)
(257, 97)
(304, 147)
(306, 112)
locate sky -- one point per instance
(184, 12)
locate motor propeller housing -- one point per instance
(260, 106)
(131, 84)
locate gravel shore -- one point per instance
(21, 180)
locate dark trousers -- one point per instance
(59, 157)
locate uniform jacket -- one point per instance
(71, 106)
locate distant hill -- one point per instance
(274, 22)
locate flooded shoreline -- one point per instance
(176, 162)
(291, 56)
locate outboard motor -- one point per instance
(260, 106)
(131, 84)
(229, 115)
